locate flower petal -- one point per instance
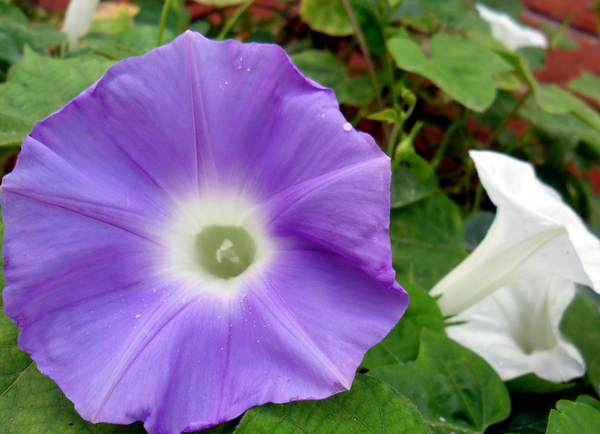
(345, 210)
(534, 234)
(516, 330)
(511, 33)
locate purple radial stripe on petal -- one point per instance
(345, 210)
(102, 215)
(263, 124)
(56, 259)
(338, 304)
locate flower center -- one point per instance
(225, 251)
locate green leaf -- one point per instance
(38, 86)
(573, 418)
(402, 343)
(454, 389)
(463, 69)
(133, 41)
(531, 383)
(511, 7)
(388, 115)
(178, 17)
(33, 404)
(568, 125)
(326, 16)
(369, 407)
(427, 240)
(372, 18)
(588, 85)
(515, 59)
(112, 18)
(13, 12)
(412, 180)
(588, 400)
(581, 325)
(15, 35)
(450, 12)
(324, 68)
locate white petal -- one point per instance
(78, 20)
(534, 234)
(516, 330)
(511, 33)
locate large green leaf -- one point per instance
(133, 41)
(402, 343)
(581, 325)
(324, 68)
(15, 35)
(567, 125)
(573, 418)
(326, 16)
(462, 68)
(531, 383)
(454, 389)
(412, 180)
(370, 407)
(38, 86)
(427, 240)
(588, 85)
(588, 400)
(33, 404)
(512, 7)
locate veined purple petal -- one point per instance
(344, 210)
(103, 214)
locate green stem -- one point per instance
(364, 48)
(163, 21)
(365, 51)
(391, 78)
(232, 20)
(439, 155)
(360, 114)
(393, 137)
(507, 119)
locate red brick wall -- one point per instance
(564, 65)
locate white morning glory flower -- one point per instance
(78, 20)
(511, 33)
(516, 330)
(513, 290)
(534, 234)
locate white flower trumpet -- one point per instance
(513, 290)
(534, 234)
(511, 33)
(78, 20)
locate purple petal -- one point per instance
(106, 201)
(345, 210)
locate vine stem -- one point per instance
(364, 48)
(365, 51)
(507, 119)
(232, 20)
(163, 21)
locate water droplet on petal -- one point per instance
(347, 126)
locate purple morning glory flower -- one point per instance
(199, 232)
